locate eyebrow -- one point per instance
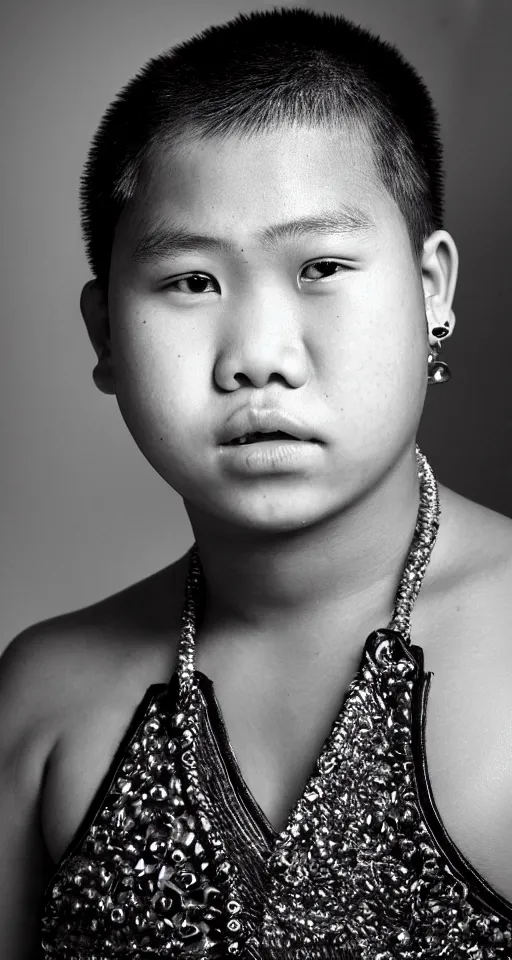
(165, 241)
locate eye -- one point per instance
(197, 284)
(326, 269)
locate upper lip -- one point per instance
(250, 420)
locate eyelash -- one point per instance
(172, 285)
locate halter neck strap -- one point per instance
(420, 551)
(418, 557)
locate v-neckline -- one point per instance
(229, 759)
(241, 788)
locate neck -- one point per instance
(333, 572)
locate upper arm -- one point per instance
(26, 740)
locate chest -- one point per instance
(276, 738)
(468, 738)
(364, 776)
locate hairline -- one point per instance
(183, 133)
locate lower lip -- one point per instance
(271, 456)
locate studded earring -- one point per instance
(438, 372)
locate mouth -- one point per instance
(263, 437)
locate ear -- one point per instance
(94, 308)
(439, 268)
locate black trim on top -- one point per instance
(228, 756)
(479, 890)
(107, 780)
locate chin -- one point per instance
(271, 513)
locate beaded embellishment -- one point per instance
(361, 871)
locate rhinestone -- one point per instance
(157, 792)
(403, 938)
(177, 856)
(233, 907)
(175, 785)
(151, 726)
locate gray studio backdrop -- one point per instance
(83, 514)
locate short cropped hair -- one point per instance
(284, 66)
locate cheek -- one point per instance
(378, 336)
(161, 411)
(161, 380)
(377, 363)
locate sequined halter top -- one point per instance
(175, 859)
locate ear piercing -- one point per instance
(438, 372)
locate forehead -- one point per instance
(239, 185)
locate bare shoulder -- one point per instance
(476, 543)
(126, 638)
(68, 688)
(465, 615)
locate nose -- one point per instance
(263, 340)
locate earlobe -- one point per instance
(94, 309)
(440, 322)
(440, 263)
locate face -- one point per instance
(324, 321)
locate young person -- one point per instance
(214, 762)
